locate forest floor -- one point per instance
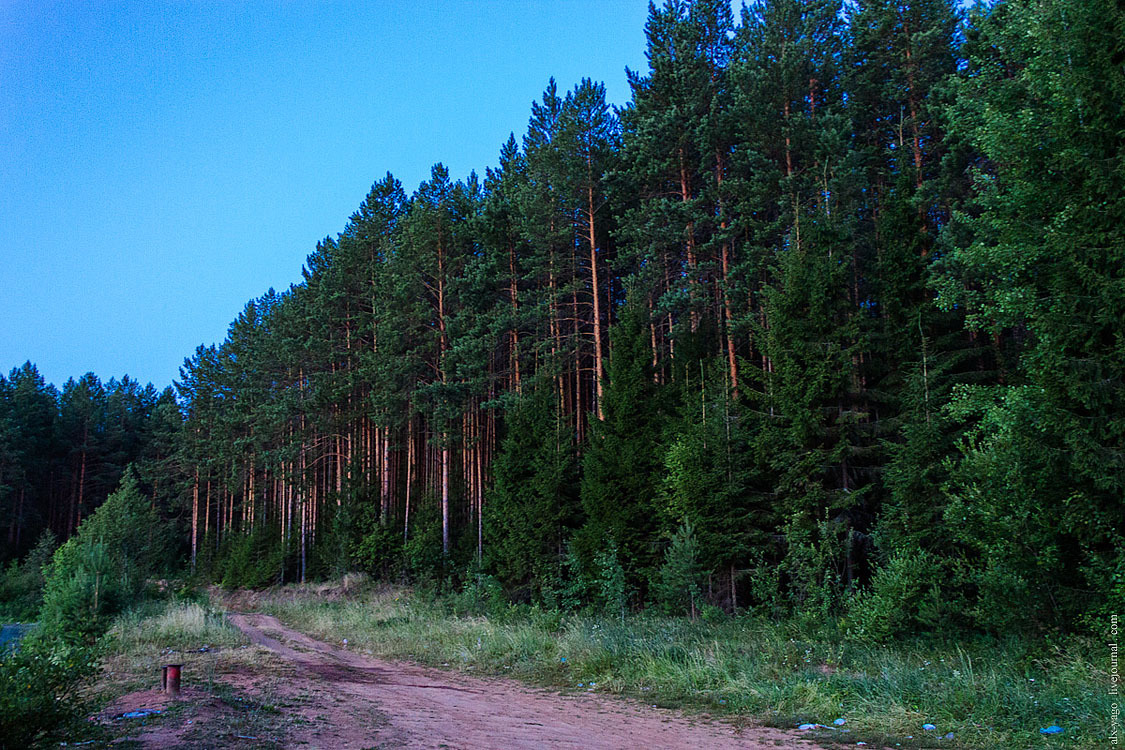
(287, 689)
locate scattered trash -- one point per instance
(860, 743)
(722, 700)
(200, 650)
(1053, 729)
(840, 722)
(140, 714)
(807, 726)
(929, 727)
(245, 737)
(562, 659)
(581, 684)
(948, 736)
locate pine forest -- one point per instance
(827, 321)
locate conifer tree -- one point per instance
(1037, 265)
(533, 505)
(620, 467)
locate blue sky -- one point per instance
(163, 162)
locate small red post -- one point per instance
(170, 679)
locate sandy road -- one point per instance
(416, 707)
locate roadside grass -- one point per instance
(235, 701)
(156, 633)
(988, 693)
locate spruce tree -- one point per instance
(533, 505)
(620, 467)
(1036, 494)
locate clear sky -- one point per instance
(162, 162)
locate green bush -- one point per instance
(610, 585)
(481, 594)
(813, 589)
(39, 692)
(907, 596)
(379, 552)
(21, 585)
(422, 553)
(84, 592)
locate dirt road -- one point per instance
(383, 704)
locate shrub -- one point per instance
(906, 596)
(481, 594)
(39, 692)
(379, 551)
(21, 585)
(253, 560)
(610, 584)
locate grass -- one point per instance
(156, 633)
(989, 694)
(212, 651)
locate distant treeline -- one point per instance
(63, 452)
(828, 320)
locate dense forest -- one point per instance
(828, 320)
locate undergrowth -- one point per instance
(988, 693)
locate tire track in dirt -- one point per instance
(429, 708)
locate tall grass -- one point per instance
(156, 633)
(989, 693)
(176, 625)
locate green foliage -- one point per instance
(680, 575)
(908, 595)
(532, 507)
(380, 551)
(254, 560)
(1034, 564)
(481, 594)
(609, 584)
(21, 584)
(572, 588)
(103, 568)
(40, 698)
(422, 553)
(813, 582)
(1034, 259)
(621, 463)
(713, 476)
